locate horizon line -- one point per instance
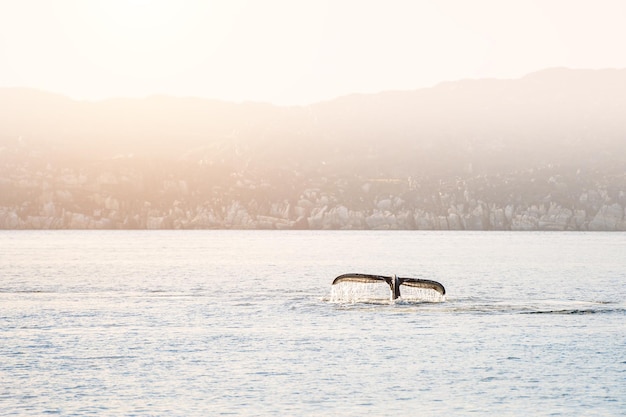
(311, 103)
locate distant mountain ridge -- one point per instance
(569, 112)
(543, 152)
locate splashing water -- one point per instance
(352, 292)
(413, 294)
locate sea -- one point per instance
(247, 323)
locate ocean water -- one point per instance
(209, 323)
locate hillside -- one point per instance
(544, 152)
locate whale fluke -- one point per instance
(394, 282)
(365, 278)
(423, 283)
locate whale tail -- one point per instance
(394, 282)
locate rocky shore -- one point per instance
(235, 216)
(527, 201)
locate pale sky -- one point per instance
(295, 51)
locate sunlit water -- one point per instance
(200, 323)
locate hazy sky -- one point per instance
(295, 51)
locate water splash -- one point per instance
(412, 294)
(351, 292)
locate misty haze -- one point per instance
(312, 208)
(544, 152)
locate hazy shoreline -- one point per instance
(544, 152)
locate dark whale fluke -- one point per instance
(394, 282)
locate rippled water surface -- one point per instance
(198, 323)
